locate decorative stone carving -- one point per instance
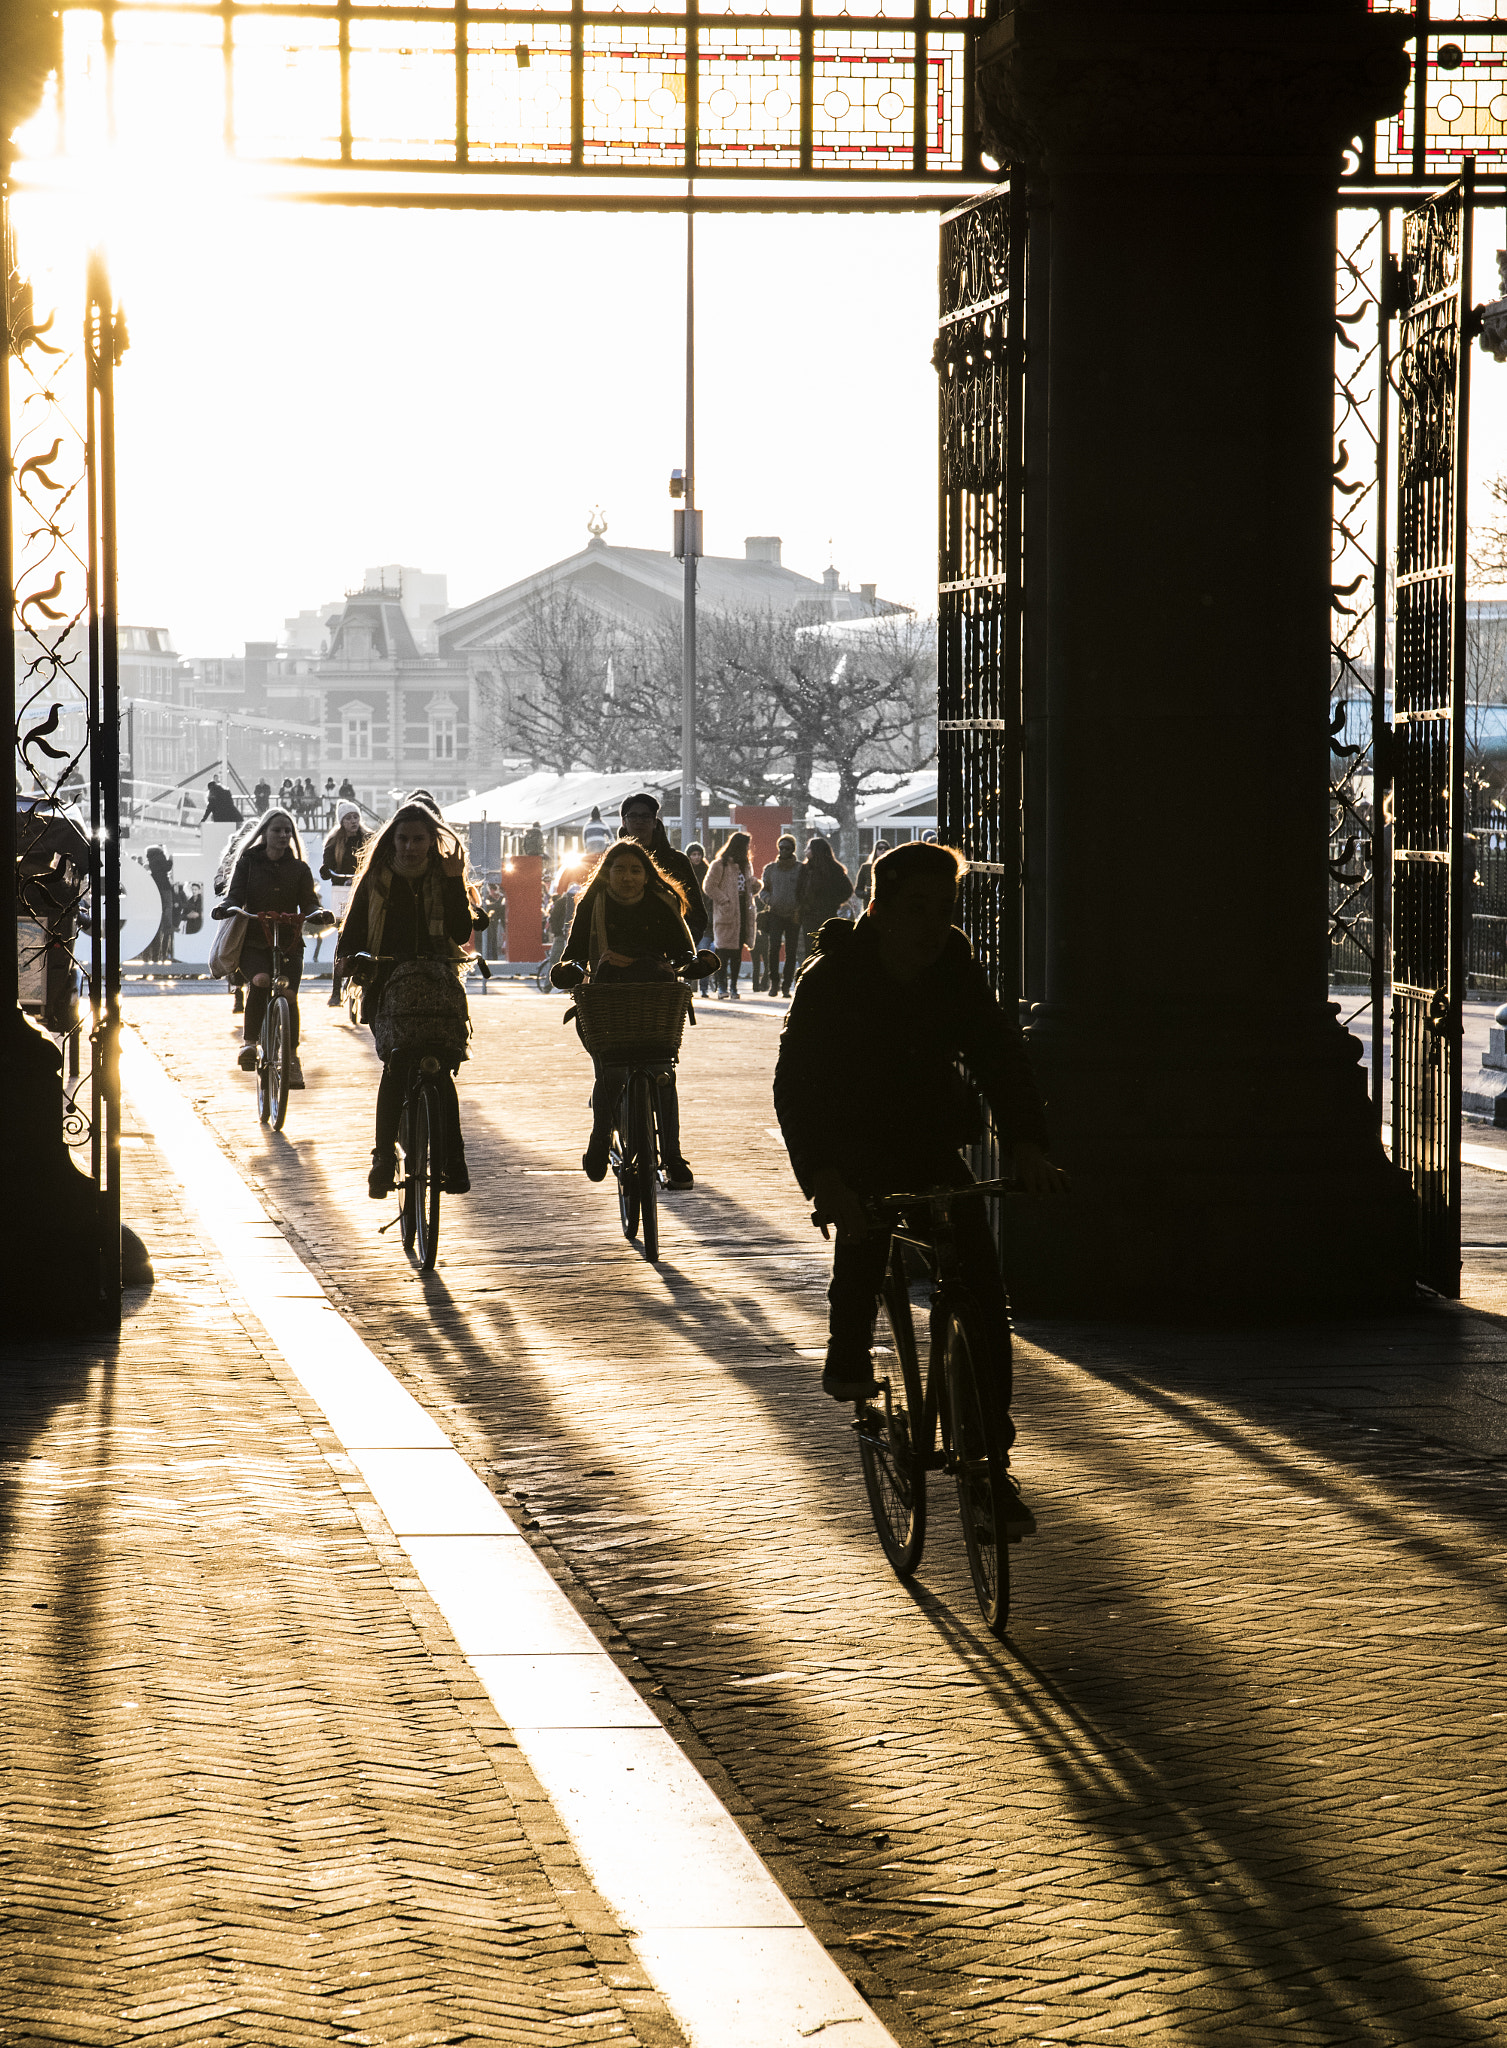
(1059, 82)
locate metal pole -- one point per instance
(102, 318)
(10, 993)
(689, 790)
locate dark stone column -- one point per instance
(1203, 1093)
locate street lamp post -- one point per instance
(691, 538)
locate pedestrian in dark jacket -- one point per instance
(825, 887)
(220, 807)
(870, 1100)
(271, 874)
(863, 888)
(780, 924)
(641, 821)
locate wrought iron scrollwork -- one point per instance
(979, 357)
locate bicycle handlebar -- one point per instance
(885, 1204)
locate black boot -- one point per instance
(384, 1172)
(594, 1159)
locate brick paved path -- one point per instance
(1234, 1779)
(251, 1793)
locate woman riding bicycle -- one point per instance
(271, 874)
(410, 903)
(629, 926)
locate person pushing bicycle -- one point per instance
(870, 1101)
(410, 911)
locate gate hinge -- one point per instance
(1390, 288)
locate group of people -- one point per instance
(867, 1086)
(307, 805)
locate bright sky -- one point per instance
(312, 389)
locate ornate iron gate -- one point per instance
(57, 434)
(980, 359)
(1431, 377)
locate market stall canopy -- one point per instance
(556, 802)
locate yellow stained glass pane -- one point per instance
(518, 113)
(1465, 103)
(402, 91)
(864, 100)
(750, 96)
(169, 86)
(634, 85)
(287, 88)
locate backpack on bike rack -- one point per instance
(423, 1008)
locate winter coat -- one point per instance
(679, 869)
(867, 1080)
(781, 883)
(260, 883)
(651, 929)
(342, 854)
(407, 913)
(825, 887)
(730, 894)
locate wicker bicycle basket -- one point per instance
(632, 1023)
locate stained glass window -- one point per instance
(783, 92)
(1462, 108)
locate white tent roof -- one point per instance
(916, 798)
(553, 801)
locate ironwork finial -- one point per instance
(596, 522)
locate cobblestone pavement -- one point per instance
(1237, 1776)
(251, 1793)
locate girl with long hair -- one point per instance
(728, 888)
(410, 902)
(270, 873)
(629, 926)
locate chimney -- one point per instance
(762, 547)
(869, 592)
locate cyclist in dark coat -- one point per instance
(410, 902)
(641, 821)
(271, 874)
(630, 925)
(870, 1101)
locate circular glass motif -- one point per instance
(1451, 107)
(662, 102)
(1451, 56)
(722, 103)
(606, 99)
(1499, 107)
(777, 102)
(836, 104)
(890, 104)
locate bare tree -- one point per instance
(1488, 544)
(573, 705)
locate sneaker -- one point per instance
(849, 1380)
(456, 1180)
(1016, 1519)
(295, 1074)
(678, 1174)
(594, 1158)
(384, 1172)
(245, 1059)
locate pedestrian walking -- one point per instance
(825, 887)
(729, 890)
(863, 888)
(696, 861)
(642, 823)
(261, 796)
(780, 924)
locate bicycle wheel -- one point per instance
(280, 1019)
(978, 1463)
(426, 1163)
(646, 1163)
(408, 1214)
(891, 1429)
(623, 1156)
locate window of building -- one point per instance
(358, 732)
(442, 729)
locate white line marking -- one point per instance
(718, 1937)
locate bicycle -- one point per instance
(637, 1026)
(274, 1044)
(935, 1411)
(541, 978)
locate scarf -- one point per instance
(379, 883)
